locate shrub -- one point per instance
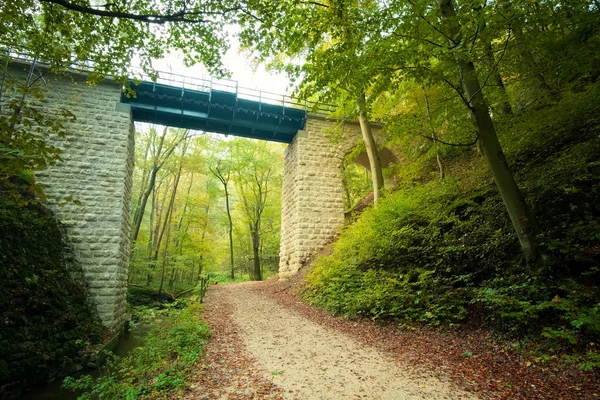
(156, 369)
(442, 252)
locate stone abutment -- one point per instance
(97, 175)
(313, 204)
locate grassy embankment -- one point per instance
(443, 252)
(161, 365)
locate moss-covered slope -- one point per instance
(444, 251)
(46, 319)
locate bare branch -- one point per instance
(494, 68)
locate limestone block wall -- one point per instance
(97, 171)
(313, 205)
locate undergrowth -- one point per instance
(157, 369)
(443, 252)
(47, 319)
(223, 277)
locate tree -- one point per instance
(404, 40)
(222, 171)
(169, 215)
(62, 32)
(370, 146)
(106, 39)
(160, 154)
(255, 176)
(523, 221)
(328, 36)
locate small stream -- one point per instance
(53, 391)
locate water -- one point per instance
(53, 390)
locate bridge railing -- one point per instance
(16, 54)
(206, 84)
(203, 84)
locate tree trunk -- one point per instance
(204, 229)
(157, 165)
(159, 233)
(434, 136)
(144, 182)
(151, 225)
(168, 219)
(180, 236)
(256, 273)
(371, 147)
(137, 220)
(527, 56)
(347, 197)
(199, 271)
(225, 181)
(523, 222)
(230, 231)
(172, 278)
(164, 258)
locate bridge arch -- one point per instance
(99, 160)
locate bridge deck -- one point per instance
(223, 109)
(214, 105)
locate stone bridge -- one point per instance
(98, 167)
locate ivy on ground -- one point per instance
(46, 318)
(159, 367)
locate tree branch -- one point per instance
(429, 22)
(180, 16)
(450, 144)
(417, 38)
(315, 3)
(494, 68)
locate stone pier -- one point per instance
(97, 172)
(313, 205)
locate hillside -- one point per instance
(443, 251)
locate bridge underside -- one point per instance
(212, 110)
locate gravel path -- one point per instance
(305, 360)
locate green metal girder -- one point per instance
(213, 110)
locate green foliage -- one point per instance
(443, 251)
(61, 36)
(223, 277)
(113, 36)
(24, 133)
(47, 317)
(159, 368)
(386, 265)
(355, 179)
(199, 229)
(258, 179)
(589, 361)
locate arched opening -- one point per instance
(356, 179)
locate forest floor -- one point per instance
(266, 344)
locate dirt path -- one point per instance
(264, 350)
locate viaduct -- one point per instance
(99, 160)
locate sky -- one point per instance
(241, 67)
